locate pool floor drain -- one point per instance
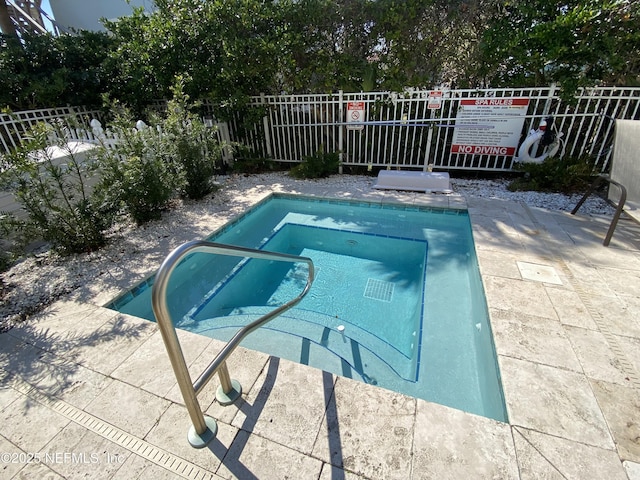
(379, 290)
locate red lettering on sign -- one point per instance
(497, 102)
(482, 150)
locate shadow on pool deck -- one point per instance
(93, 388)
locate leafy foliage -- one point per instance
(146, 167)
(226, 50)
(56, 196)
(575, 43)
(193, 146)
(566, 175)
(229, 50)
(247, 161)
(44, 71)
(137, 174)
(322, 164)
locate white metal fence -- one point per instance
(15, 126)
(398, 130)
(401, 131)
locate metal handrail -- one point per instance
(204, 430)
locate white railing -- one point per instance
(399, 130)
(15, 126)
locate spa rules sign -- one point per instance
(489, 126)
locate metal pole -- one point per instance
(203, 431)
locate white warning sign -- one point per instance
(435, 100)
(489, 126)
(355, 115)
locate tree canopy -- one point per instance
(230, 49)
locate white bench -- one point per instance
(433, 182)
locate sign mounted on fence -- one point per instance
(489, 126)
(355, 115)
(435, 100)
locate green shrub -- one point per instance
(9, 231)
(566, 175)
(247, 161)
(193, 146)
(56, 196)
(137, 172)
(320, 165)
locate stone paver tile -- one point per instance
(331, 472)
(105, 348)
(543, 456)
(8, 395)
(368, 431)
(65, 308)
(79, 453)
(129, 408)
(138, 468)
(518, 296)
(595, 354)
(19, 358)
(589, 279)
(30, 425)
(170, 434)
(553, 401)
(632, 469)
(570, 308)
(498, 264)
(611, 257)
(12, 459)
(287, 404)
(487, 237)
(50, 327)
(620, 315)
(631, 350)
(149, 366)
(71, 382)
(244, 365)
(623, 282)
(431, 200)
(253, 456)
(37, 471)
(537, 339)
(620, 406)
(90, 330)
(450, 443)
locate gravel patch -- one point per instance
(134, 253)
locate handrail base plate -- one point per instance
(202, 440)
(227, 398)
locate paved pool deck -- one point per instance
(86, 392)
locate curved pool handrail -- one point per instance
(204, 430)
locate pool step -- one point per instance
(308, 337)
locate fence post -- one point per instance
(265, 126)
(547, 103)
(97, 129)
(340, 131)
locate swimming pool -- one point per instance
(397, 300)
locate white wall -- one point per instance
(86, 14)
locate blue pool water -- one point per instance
(397, 300)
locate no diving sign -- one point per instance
(355, 115)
